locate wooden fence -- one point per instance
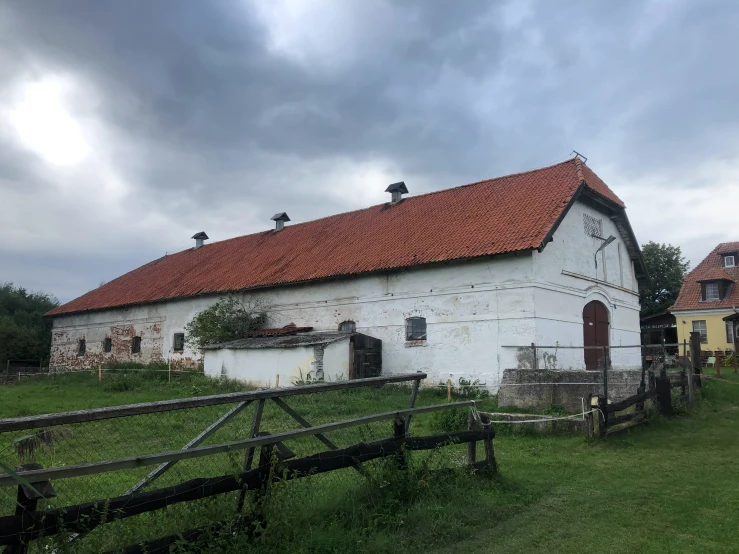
(275, 460)
(653, 387)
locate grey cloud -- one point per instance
(205, 122)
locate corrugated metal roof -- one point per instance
(497, 216)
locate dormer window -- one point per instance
(712, 292)
(715, 291)
(730, 261)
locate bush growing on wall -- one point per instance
(228, 319)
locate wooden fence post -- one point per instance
(100, 373)
(535, 361)
(492, 465)
(169, 370)
(277, 381)
(399, 435)
(589, 422)
(602, 416)
(691, 385)
(412, 401)
(249, 456)
(448, 390)
(26, 507)
(695, 355)
(471, 446)
(664, 395)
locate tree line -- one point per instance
(24, 333)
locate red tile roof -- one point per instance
(714, 274)
(497, 216)
(710, 269)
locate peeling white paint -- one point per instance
(473, 310)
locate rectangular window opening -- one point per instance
(712, 292)
(108, 345)
(700, 327)
(415, 328)
(729, 332)
(178, 345)
(729, 261)
(136, 345)
(81, 347)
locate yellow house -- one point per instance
(709, 294)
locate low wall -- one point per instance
(537, 389)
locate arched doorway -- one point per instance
(595, 332)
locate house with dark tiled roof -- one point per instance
(708, 295)
(453, 282)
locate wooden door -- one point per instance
(595, 332)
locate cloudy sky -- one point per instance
(127, 126)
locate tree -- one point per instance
(228, 319)
(24, 333)
(667, 268)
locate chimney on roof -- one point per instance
(280, 220)
(397, 190)
(200, 238)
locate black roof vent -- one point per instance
(397, 190)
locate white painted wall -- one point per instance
(560, 298)
(261, 366)
(474, 310)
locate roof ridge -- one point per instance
(423, 194)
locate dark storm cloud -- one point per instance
(208, 119)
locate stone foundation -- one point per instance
(537, 389)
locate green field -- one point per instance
(669, 486)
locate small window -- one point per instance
(712, 292)
(415, 328)
(348, 326)
(179, 342)
(700, 327)
(593, 226)
(729, 261)
(136, 345)
(81, 347)
(108, 345)
(729, 332)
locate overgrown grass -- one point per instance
(669, 486)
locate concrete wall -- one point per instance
(715, 327)
(475, 311)
(535, 390)
(261, 366)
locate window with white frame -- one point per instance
(700, 327)
(729, 261)
(730, 332)
(348, 326)
(712, 292)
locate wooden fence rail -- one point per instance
(118, 464)
(65, 418)
(82, 518)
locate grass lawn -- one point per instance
(669, 486)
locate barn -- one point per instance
(454, 283)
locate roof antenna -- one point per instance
(584, 159)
